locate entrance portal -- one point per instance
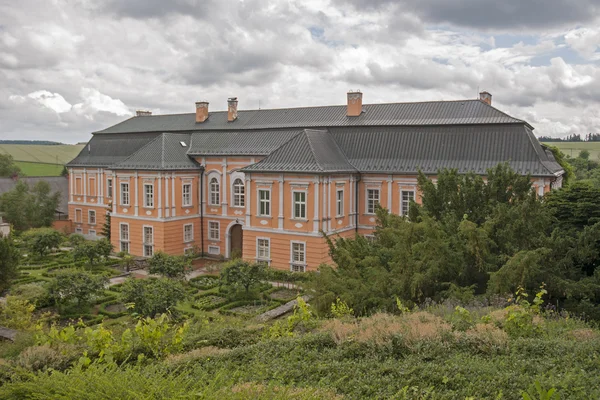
(236, 241)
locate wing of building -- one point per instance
(263, 184)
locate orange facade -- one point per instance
(278, 218)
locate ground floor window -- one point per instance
(78, 230)
(213, 230)
(92, 217)
(298, 257)
(188, 233)
(407, 197)
(92, 232)
(214, 250)
(148, 241)
(125, 247)
(263, 249)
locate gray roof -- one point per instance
(107, 150)
(168, 151)
(310, 151)
(254, 143)
(466, 148)
(425, 113)
(57, 184)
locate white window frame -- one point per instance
(238, 199)
(78, 185)
(145, 245)
(259, 202)
(296, 264)
(214, 250)
(214, 196)
(191, 238)
(403, 211)
(109, 188)
(186, 198)
(148, 196)
(124, 192)
(90, 213)
(123, 241)
(92, 186)
(80, 219)
(265, 257)
(79, 231)
(368, 204)
(212, 230)
(301, 203)
(92, 232)
(339, 203)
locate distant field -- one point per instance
(57, 154)
(573, 148)
(39, 169)
(41, 160)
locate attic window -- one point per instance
(183, 144)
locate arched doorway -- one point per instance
(236, 241)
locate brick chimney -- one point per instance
(232, 103)
(354, 104)
(486, 98)
(143, 113)
(201, 111)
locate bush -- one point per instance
(150, 297)
(93, 251)
(35, 293)
(241, 277)
(45, 357)
(16, 314)
(205, 282)
(74, 285)
(41, 241)
(168, 266)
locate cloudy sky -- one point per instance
(70, 67)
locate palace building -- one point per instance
(265, 184)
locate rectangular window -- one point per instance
(339, 202)
(188, 233)
(407, 197)
(263, 249)
(149, 196)
(214, 250)
(124, 236)
(78, 230)
(148, 241)
(109, 188)
(124, 194)
(78, 216)
(372, 200)
(298, 261)
(299, 205)
(92, 232)
(125, 247)
(186, 198)
(264, 203)
(213, 230)
(92, 187)
(78, 189)
(92, 217)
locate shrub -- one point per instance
(205, 282)
(241, 277)
(149, 297)
(45, 357)
(16, 314)
(41, 241)
(168, 266)
(93, 251)
(35, 293)
(74, 285)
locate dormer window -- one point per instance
(183, 144)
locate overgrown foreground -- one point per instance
(437, 353)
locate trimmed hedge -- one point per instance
(225, 310)
(110, 314)
(203, 282)
(209, 306)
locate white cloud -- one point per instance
(585, 41)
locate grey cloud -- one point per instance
(490, 15)
(142, 9)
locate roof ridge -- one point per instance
(505, 114)
(139, 150)
(312, 148)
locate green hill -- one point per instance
(572, 149)
(41, 160)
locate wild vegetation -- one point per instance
(484, 291)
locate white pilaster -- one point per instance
(136, 204)
(116, 192)
(323, 218)
(85, 181)
(173, 205)
(248, 198)
(167, 210)
(72, 186)
(389, 193)
(280, 216)
(160, 209)
(316, 201)
(224, 183)
(328, 204)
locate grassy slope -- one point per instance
(58, 154)
(573, 148)
(39, 169)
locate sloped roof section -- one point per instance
(466, 148)
(238, 142)
(312, 151)
(107, 150)
(58, 184)
(411, 114)
(167, 151)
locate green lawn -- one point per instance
(39, 169)
(573, 148)
(57, 154)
